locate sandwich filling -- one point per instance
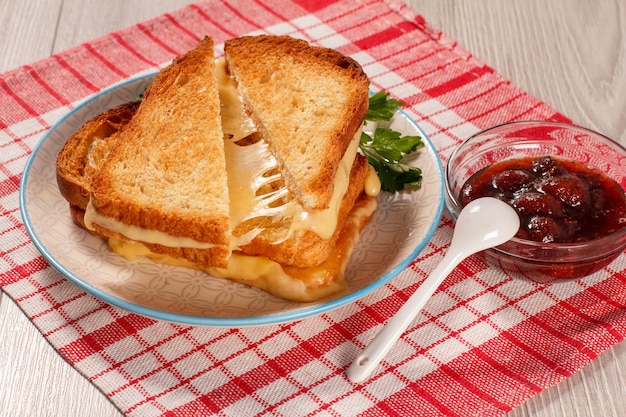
(259, 197)
(257, 190)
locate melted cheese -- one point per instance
(247, 166)
(135, 250)
(296, 284)
(324, 222)
(236, 124)
(372, 183)
(139, 233)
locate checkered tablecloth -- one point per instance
(484, 343)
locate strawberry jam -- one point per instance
(558, 200)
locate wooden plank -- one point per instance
(87, 20)
(570, 54)
(28, 31)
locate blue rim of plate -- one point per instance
(268, 319)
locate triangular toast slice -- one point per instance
(164, 183)
(307, 103)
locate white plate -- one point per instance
(401, 227)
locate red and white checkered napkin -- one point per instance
(483, 344)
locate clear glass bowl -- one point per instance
(542, 262)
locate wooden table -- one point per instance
(569, 53)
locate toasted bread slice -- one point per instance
(83, 152)
(307, 103)
(164, 182)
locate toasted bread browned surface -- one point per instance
(167, 171)
(83, 152)
(306, 101)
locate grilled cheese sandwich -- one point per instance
(264, 233)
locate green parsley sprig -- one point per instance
(386, 147)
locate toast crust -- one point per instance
(306, 101)
(167, 172)
(79, 159)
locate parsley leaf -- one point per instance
(386, 148)
(391, 145)
(384, 151)
(381, 107)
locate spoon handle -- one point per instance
(376, 350)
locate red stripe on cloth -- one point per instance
(237, 388)
(314, 5)
(558, 117)
(11, 182)
(201, 406)
(272, 369)
(501, 112)
(366, 318)
(419, 65)
(174, 45)
(457, 378)
(95, 307)
(515, 379)
(18, 100)
(182, 28)
(17, 109)
(21, 271)
(108, 64)
(75, 73)
(414, 400)
(169, 365)
(533, 353)
(270, 12)
(47, 87)
(132, 49)
(226, 32)
(589, 321)
(96, 341)
(455, 83)
(249, 16)
(608, 299)
(386, 35)
(547, 323)
(235, 19)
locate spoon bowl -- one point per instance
(482, 224)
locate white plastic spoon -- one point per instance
(482, 224)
